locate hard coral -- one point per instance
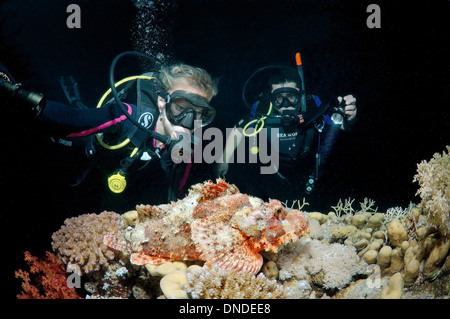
(50, 279)
(394, 288)
(173, 283)
(434, 180)
(79, 242)
(328, 265)
(217, 283)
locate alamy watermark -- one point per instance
(210, 145)
(73, 21)
(73, 280)
(374, 279)
(374, 19)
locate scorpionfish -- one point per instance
(214, 223)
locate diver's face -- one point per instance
(292, 85)
(164, 126)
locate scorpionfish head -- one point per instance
(270, 225)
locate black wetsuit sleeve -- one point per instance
(62, 120)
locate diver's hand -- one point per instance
(350, 109)
(220, 170)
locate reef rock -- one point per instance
(397, 233)
(214, 223)
(394, 287)
(436, 258)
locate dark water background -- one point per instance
(398, 73)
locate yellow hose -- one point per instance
(260, 120)
(100, 103)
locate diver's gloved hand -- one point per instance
(350, 110)
(28, 101)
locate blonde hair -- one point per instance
(174, 74)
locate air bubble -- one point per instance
(151, 33)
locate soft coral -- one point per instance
(50, 277)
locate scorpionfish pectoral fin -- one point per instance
(224, 246)
(115, 240)
(241, 260)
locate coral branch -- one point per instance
(434, 181)
(79, 242)
(49, 277)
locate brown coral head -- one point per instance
(80, 240)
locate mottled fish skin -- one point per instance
(214, 223)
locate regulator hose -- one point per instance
(164, 139)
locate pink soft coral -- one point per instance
(50, 279)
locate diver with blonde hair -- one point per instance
(160, 107)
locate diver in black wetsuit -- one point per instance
(304, 137)
(167, 104)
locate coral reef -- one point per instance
(49, 275)
(346, 253)
(166, 268)
(397, 233)
(79, 242)
(327, 265)
(394, 287)
(172, 285)
(116, 280)
(434, 181)
(213, 223)
(270, 270)
(402, 245)
(217, 283)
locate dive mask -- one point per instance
(183, 108)
(285, 97)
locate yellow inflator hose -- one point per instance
(257, 121)
(103, 98)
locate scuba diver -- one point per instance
(147, 119)
(305, 135)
